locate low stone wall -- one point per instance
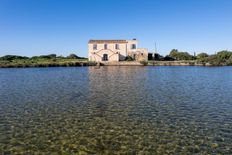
(176, 63)
(122, 63)
(154, 63)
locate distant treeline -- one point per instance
(51, 60)
(220, 58)
(50, 56)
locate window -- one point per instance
(117, 46)
(105, 46)
(133, 46)
(105, 57)
(95, 47)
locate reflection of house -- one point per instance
(115, 50)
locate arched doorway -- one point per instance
(105, 57)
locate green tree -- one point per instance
(181, 55)
(72, 56)
(13, 57)
(174, 53)
(224, 55)
(229, 61)
(202, 55)
(49, 56)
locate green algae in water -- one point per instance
(116, 110)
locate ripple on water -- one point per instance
(116, 110)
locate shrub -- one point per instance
(72, 56)
(229, 61)
(13, 57)
(202, 55)
(181, 55)
(158, 57)
(224, 55)
(50, 56)
(145, 63)
(168, 58)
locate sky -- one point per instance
(38, 27)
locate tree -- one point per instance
(50, 56)
(174, 53)
(224, 55)
(13, 57)
(229, 61)
(158, 57)
(181, 55)
(72, 56)
(168, 58)
(202, 55)
(150, 56)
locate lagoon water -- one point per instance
(116, 110)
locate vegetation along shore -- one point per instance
(51, 60)
(221, 58)
(174, 58)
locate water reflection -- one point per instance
(116, 110)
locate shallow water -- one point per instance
(116, 110)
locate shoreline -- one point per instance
(121, 63)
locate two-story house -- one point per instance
(115, 50)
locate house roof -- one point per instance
(106, 41)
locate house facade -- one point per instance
(115, 50)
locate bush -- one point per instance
(224, 55)
(144, 63)
(202, 55)
(72, 56)
(168, 58)
(50, 56)
(219, 59)
(13, 57)
(181, 55)
(229, 61)
(158, 57)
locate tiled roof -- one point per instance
(106, 41)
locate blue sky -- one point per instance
(36, 27)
